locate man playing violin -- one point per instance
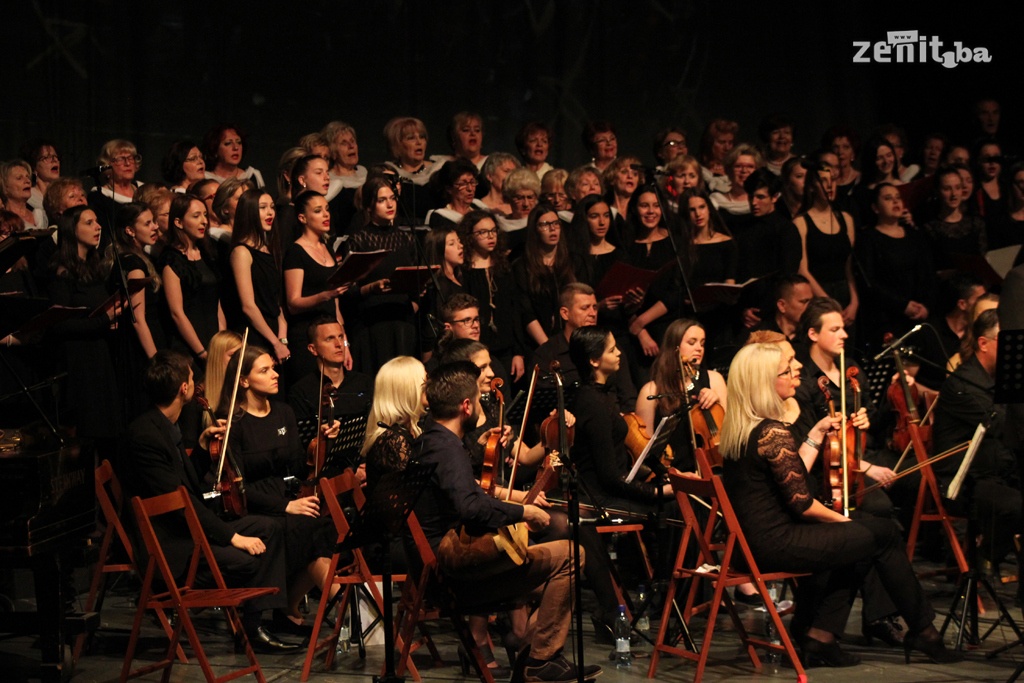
(822, 339)
(452, 499)
(250, 551)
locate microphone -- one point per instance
(913, 330)
(95, 171)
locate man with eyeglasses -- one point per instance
(461, 316)
(967, 398)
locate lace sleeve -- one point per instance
(389, 453)
(775, 444)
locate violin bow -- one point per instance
(842, 431)
(231, 408)
(522, 430)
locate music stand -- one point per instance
(1010, 367)
(545, 399)
(383, 516)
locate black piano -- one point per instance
(47, 508)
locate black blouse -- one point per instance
(199, 295)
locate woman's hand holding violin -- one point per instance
(860, 419)
(331, 430)
(707, 398)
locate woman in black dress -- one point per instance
(827, 237)
(264, 442)
(136, 229)
(789, 530)
(715, 259)
(307, 265)
(488, 277)
(541, 272)
(899, 278)
(255, 264)
(602, 461)
(955, 230)
(386, 319)
(81, 278)
(443, 248)
(190, 277)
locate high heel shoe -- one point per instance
(816, 653)
(887, 630)
(933, 648)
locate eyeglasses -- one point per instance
(194, 158)
(127, 159)
(605, 141)
(550, 226)
(49, 157)
(485, 233)
(673, 143)
(524, 198)
(788, 372)
(466, 184)
(468, 322)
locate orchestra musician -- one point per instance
(249, 551)
(992, 495)
(452, 499)
(683, 344)
(264, 441)
(788, 529)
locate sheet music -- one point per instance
(661, 436)
(961, 474)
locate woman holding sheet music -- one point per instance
(82, 279)
(308, 264)
(386, 319)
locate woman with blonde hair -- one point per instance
(790, 530)
(223, 346)
(397, 401)
(118, 184)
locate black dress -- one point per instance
(91, 398)
(966, 236)
(768, 490)
(385, 323)
(267, 450)
(500, 328)
(827, 256)
(667, 288)
(716, 262)
(314, 281)
(156, 329)
(894, 271)
(266, 289)
(540, 302)
(199, 297)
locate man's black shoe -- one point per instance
(265, 642)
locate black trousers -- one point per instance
(839, 555)
(240, 569)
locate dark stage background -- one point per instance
(81, 72)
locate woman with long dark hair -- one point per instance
(488, 277)
(256, 266)
(544, 268)
(135, 230)
(191, 278)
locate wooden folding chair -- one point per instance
(182, 596)
(423, 585)
(714, 563)
(349, 577)
(114, 546)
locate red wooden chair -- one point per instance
(348, 577)
(714, 563)
(183, 596)
(114, 546)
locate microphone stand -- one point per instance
(418, 256)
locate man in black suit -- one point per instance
(250, 550)
(992, 492)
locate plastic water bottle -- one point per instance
(344, 638)
(623, 657)
(773, 657)
(643, 622)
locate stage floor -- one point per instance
(104, 661)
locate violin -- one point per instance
(228, 484)
(836, 463)
(860, 440)
(316, 452)
(904, 399)
(493, 449)
(637, 440)
(232, 486)
(705, 422)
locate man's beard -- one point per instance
(470, 422)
